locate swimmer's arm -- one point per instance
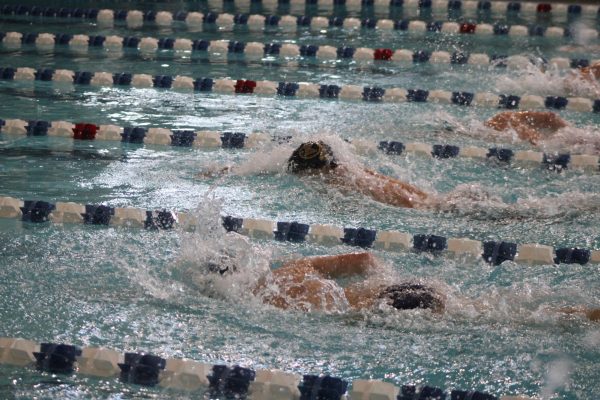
(540, 119)
(335, 266)
(593, 314)
(391, 191)
(590, 73)
(406, 186)
(526, 123)
(527, 133)
(499, 121)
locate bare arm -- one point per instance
(331, 267)
(393, 191)
(595, 70)
(527, 124)
(381, 188)
(593, 314)
(539, 119)
(499, 121)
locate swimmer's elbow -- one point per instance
(593, 314)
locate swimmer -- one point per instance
(308, 284)
(317, 159)
(532, 126)
(311, 284)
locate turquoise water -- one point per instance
(122, 288)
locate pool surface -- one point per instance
(137, 290)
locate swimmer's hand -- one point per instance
(214, 172)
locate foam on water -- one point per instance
(532, 79)
(557, 376)
(547, 81)
(217, 263)
(478, 202)
(582, 140)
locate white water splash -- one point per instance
(547, 81)
(475, 201)
(578, 33)
(592, 339)
(584, 140)
(533, 79)
(557, 376)
(208, 249)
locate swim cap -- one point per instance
(222, 264)
(311, 155)
(408, 296)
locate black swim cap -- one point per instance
(311, 155)
(408, 296)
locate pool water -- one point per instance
(124, 288)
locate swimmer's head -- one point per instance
(224, 264)
(311, 155)
(408, 296)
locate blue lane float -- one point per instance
(56, 358)
(492, 252)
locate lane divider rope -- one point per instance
(514, 8)
(300, 90)
(492, 252)
(222, 381)
(237, 140)
(257, 50)
(265, 23)
(470, 7)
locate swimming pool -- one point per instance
(123, 287)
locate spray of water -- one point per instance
(478, 202)
(217, 263)
(548, 80)
(583, 140)
(534, 78)
(557, 376)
